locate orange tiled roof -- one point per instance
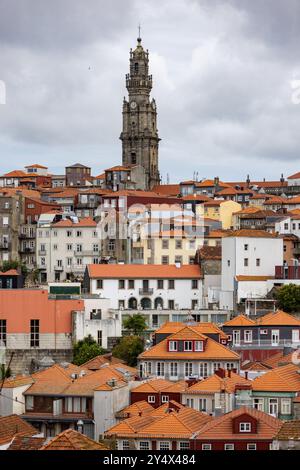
(215, 383)
(26, 443)
(256, 366)
(138, 408)
(86, 222)
(211, 252)
(153, 385)
(167, 189)
(282, 379)
(212, 349)
(203, 327)
(252, 233)
(278, 318)
(13, 425)
(279, 359)
(218, 233)
(36, 165)
(294, 176)
(162, 410)
(17, 381)
(138, 271)
(73, 440)
(176, 423)
(98, 361)
(289, 429)
(10, 272)
(242, 278)
(240, 320)
(221, 427)
(15, 174)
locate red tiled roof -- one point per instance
(295, 176)
(240, 320)
(281, 379)
(139, 271)
(73, 440)
(13, 425)
(87, 222)
(36, 165)
(10, 272)
(221, 428)
(252, 233)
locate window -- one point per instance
(3, 332)
(203, 369)
(111, 245)
(160, 284)
(178, 259)
(192, 244)
(164, 445)
(206, 446)
(164, 260)
(172, 345)
(258, 404)
(125, 445)
(228, 262)
(79, 248)
(246, 262)
(188, 369)
(131, 284)
(285, 406)
(165, 398)
(69, 233)
(99, 337)
(95, 248)
(248, 336)
(121, 304)
(257, 261)
(230, 365)
(198, 345)
(251, 446)
(171, 284)
(229, 447)
(151, 398)
(149, 367)
(34, 333)
(188, 346)
(178, 244)
(69, 247)
(194, 283)
(246, 247)
(165, 244)
(99, 283)
(121, 284)
(55, 247)
(160, 369)
(216, 366)
(173, 369)
(144, 445)
(245, 427)
(171, 304)
(194, 304)
(184, 445)
(78, 233)
(69, 261)
(202, 404)
(286, 226)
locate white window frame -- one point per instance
(231, 446)
(184, 346)
(198, 346)
(245, 427)
(251, 444)
(259, 403)
(164, 445)
(144, 445)
(286, 403)
(165, 398)
(151, 399)
(173, 346)
(206, 446)
(248, 336)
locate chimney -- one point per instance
(229, 373)
(221, 373)
(216, 181)
(246, 375)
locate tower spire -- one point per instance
(139, 36)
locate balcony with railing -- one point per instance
(146, 291)
(287, 272)
(5, 246)
(264, 344)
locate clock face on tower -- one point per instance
(133, 104)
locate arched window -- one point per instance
(146, 303)
(133, 158)
(158, 303)
(136, 67)
(132, 303)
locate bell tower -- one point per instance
(139, 135)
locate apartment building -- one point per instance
(146, 286)
(65, 248)
(11, 218)
(246, 258)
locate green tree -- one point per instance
(135, 323)
(128, 349)
(288, 298)
(14, 264)
(86, 349)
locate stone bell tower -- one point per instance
(139, 135)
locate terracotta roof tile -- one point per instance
(86, 222)
(278, 318)
(137, 271)
(203, 327)
(289, 430)
(13, 425)
(221, 427)
(212, 349)
(282, 379)
(240, 320)
(17, 381)
(243, 278)
(279, 359)
(26, 443)
(252, 233)
(215, 383)
(73, 440)
(138, 408)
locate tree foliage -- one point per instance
(128, 349)
(14, 264)
(86, 349)
(135, 323)
(288, 298)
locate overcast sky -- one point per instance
(222, 71)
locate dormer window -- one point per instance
(188, 346)
(198, 346)
(245, 427)
(173, 346)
